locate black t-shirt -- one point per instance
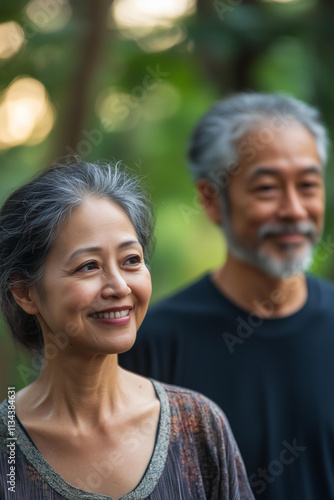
(274, 379)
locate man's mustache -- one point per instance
(306, 228)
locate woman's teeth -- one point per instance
(111, 315)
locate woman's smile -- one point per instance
(114, 316)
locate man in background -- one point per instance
(257, 334)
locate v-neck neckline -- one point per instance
(144, 488)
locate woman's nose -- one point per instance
(115, 286)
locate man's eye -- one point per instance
(266, 187)
(309, 185)
(90, 266)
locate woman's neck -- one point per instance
(83, 391)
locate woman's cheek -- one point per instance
(83, 296)
(147, 286)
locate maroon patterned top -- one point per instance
(195, 458)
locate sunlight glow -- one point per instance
(11, 39)
(163, 39)
(151, 23)
(151, 13)
(26, 115)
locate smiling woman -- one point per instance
(74, 243)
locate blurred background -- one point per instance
(127, 80)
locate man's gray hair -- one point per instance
(213, 146)
(32, 216)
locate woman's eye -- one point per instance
(133, 260)
(90, 266)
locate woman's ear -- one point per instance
(24, 296)
(210, 198)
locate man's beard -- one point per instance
(296, 261)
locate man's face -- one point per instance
(275, 206)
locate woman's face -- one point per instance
(96, 286)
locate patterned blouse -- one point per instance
(195, 458)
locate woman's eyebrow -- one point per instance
(129, 243)
(80, 251)
(84, 250)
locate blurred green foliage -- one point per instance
(96, 79)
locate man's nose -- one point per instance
(292, 205)
(115, 285)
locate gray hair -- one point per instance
(32, 216)
(213, 144)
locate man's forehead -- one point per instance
(292, 146)
(257, 171)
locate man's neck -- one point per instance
(257, 292)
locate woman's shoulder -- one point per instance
(201, 436)
(191, 405)
(189, 397)
(3, 414)
(200, 426)
(5, 419)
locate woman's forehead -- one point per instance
(96, 221)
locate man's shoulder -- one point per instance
(320, 288)
(183, 309)
(321, 281)
(191, 292)
(186, 299)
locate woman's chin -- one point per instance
(118, 346)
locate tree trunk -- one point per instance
(79, 97)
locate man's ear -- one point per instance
(210, 197)
(24, 296)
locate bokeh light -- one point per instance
(163, 39)
(151, 23)
(26, 115)
(119, 110)
(48, 17)
(136, 13)
(11, 39)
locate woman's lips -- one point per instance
(115, 321)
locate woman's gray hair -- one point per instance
(213, 146)
(32, 216)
